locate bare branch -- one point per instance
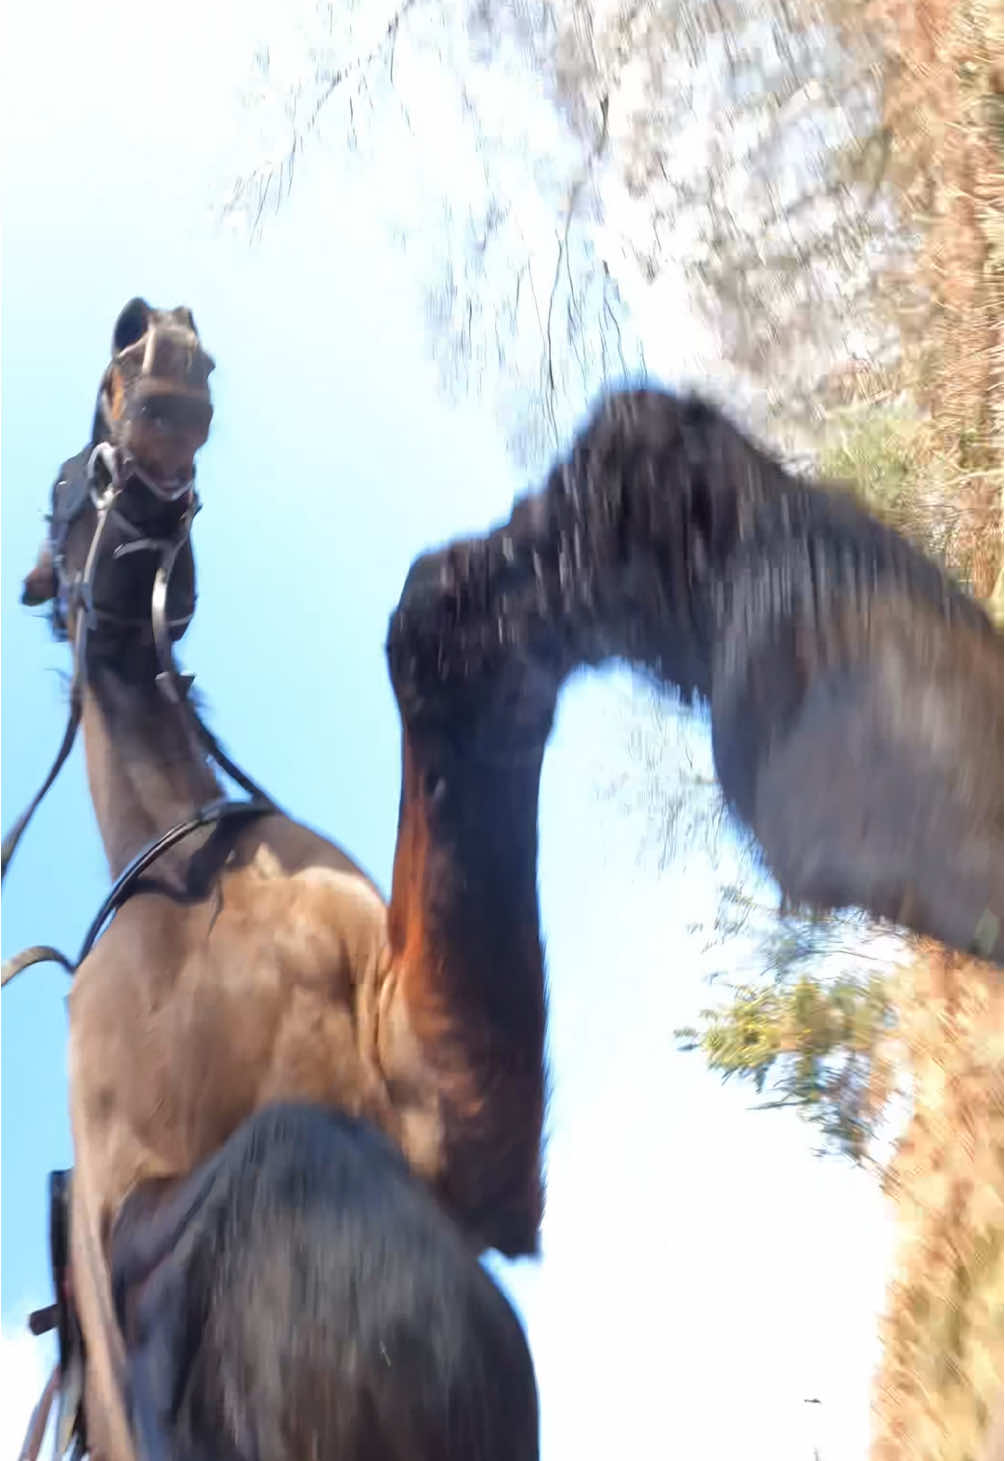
(357, 65)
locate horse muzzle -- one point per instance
(155, 395)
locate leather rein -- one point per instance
(172, 683)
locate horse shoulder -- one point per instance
(185, 1019)
(320, 937)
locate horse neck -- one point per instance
(145, 767)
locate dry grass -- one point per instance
(941, 1376)
(930, 459)
(887, 453)
(942, 111)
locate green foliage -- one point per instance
(948, 504)
(815, 1037)
(885, 455)
(875, 452)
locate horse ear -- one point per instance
(40, 585)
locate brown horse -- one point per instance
(857, 721)
(253, 967)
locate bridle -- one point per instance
(109, 475)
(208, 816)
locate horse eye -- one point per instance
(131, 325)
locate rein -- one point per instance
(82, 590)
(173, 684)
(209, 816)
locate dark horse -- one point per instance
(257, 1275)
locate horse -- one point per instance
(262, 989)
(854, 691)
(292, 1126)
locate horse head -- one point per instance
(153, 403)
(132, 487)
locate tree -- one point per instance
(751, 154)
(585, 189)
(483, 178)
(814, 1027)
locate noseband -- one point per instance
(108, 475)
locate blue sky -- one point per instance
(702, 1273)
